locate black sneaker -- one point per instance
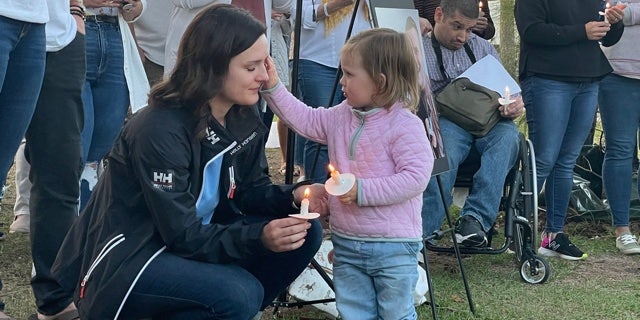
(561, 247)
(469, 232)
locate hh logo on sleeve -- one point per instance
(163, 179)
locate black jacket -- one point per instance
(145, 203)
(553, 40)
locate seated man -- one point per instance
(498, 150)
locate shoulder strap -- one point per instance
(438, 52)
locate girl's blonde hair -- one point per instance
(388, 52)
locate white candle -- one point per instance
(335, 174)
(304, 204)
(507, 93)
(480, 6)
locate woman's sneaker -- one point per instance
(627, 244)
(561, 247)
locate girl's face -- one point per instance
(357, 86)
(246, 75)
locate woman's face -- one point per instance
(246, 75)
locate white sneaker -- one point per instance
(20, 224)
(627, 244)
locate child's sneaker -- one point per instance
(627, 244)
(561, 247)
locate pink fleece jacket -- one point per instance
(386, 149)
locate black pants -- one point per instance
(1, 303)
(54, 151)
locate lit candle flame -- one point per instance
(507, 93)
(304, 204)
(335, 174)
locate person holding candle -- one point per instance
(184, 222)
(497, 150)
(619, 104)
(373, 135)
(561, 65)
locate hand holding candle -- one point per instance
(506, 99)
(339, 183)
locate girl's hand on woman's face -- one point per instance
(272, 73)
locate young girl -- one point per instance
(376, 226)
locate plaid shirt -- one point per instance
(455, 61)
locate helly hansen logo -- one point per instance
(163, 180)
(211, 136)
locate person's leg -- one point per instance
(109, 93)
(549, 108)
(277, 270)
(354, 287)
(173, 287)
(22, 59)
(499, 151)
(315, 82)
(559, 115)
(21, 215)
(620, 115)
(54, 151)
(283, 132)
(395, 274)
(457, 144)
(154, 71)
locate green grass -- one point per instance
(605, 286)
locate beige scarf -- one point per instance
(332, 21)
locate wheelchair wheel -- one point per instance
(537, 273)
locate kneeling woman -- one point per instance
(184, 223)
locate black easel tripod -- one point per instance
(282, 300)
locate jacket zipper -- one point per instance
(232, 183)
(103, 253)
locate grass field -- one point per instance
(605, 286)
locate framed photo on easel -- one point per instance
(401, 16)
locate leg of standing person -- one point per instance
(559, 116)
(3, 316)
(620, 114)
(54, 151)
(21, 216)
(22, 59)
(315, 82)
(105, 97)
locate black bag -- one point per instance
(469, 105)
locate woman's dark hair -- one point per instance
(216, 35)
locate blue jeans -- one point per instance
(498, 152)
(22, 60)
(315, 83)
(173, 287)
(105, 95)
(560, 116)
(375, 280)
(619, 103)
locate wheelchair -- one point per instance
(519, 204)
